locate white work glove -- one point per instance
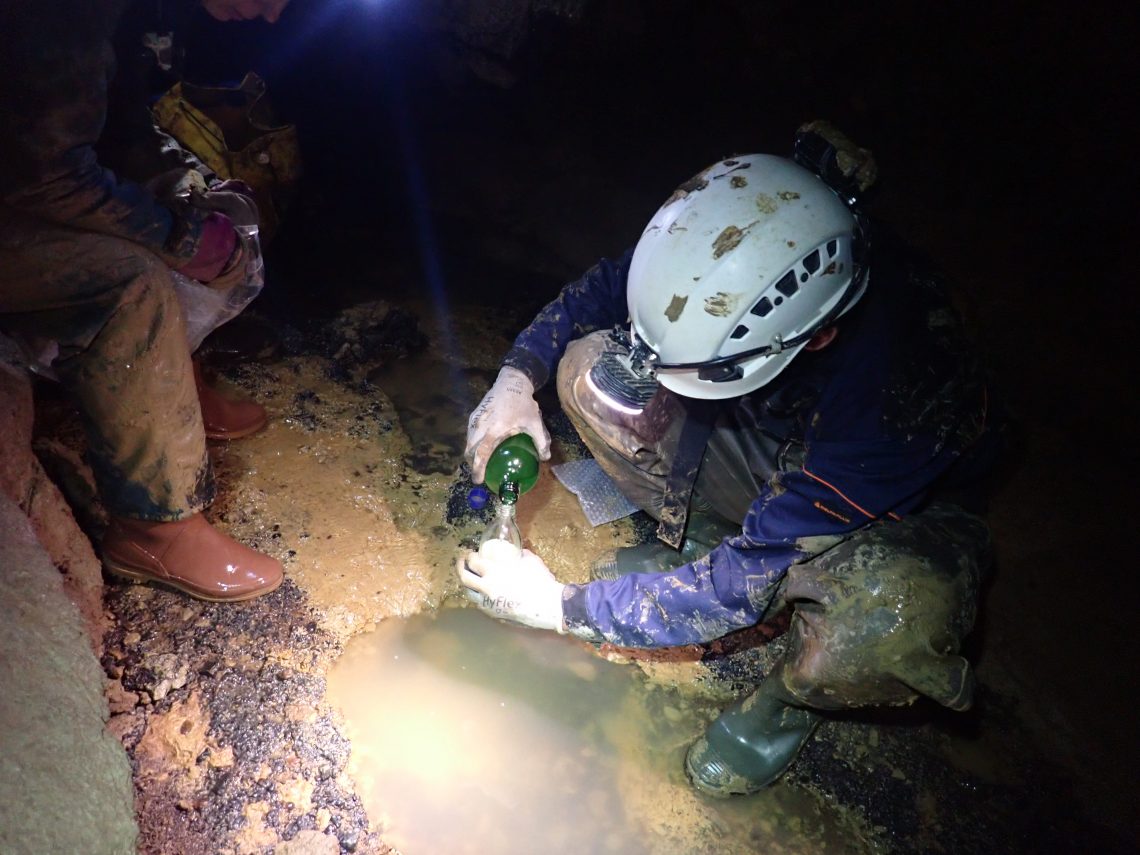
(512, 586)
(507, 408)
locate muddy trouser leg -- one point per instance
(878, 619)
(637, 451)
(123, 357)
(634, 450)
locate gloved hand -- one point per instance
(507, 408)
(513, 587)
(216, 250)
(233, 198)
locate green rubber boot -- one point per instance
(751, 744)
(704, 531)
(653, 557)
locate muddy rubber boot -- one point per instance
(190, 555)
(751, 744)
(224, 418)
(653, 557)
(703, 532)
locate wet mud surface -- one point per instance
(356, 485)
(236, 746)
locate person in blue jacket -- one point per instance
(796, 404)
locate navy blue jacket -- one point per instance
(894, 412)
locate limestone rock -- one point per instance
(24, 481)
(65, 782)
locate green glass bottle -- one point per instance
(512, 468)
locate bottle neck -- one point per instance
(509, 493)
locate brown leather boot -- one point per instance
(190, 555)
(224, 418)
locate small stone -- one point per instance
(221, 758)
(309, 842)
(119, 700)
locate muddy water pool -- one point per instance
(469, 735)
(474, 736)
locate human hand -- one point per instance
(233, 198)
(507, 408)
(512, 586)
(216, 251)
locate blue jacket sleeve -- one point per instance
(843, 486)
(595, 301)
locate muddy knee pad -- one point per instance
(880, 618)
(635, 450)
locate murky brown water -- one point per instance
(474, 736)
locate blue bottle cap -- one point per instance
(478, 497)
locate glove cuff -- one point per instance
(526, 363)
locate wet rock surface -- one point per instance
(223, 712)
(32, 478)
(526, 191)
(223, 707)
(65, 783)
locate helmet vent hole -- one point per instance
(787, 284)
(763, 307)
(812, 262)
(779, 300)
(740, 332)
(832, 248)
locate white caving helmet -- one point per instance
(736, 272)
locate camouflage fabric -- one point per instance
(880, 617)
(123, 356)
(85, 250)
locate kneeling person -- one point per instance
(798, 410)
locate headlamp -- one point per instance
(626, 377)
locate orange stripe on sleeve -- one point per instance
(839, 493)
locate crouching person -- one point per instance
(795, 403)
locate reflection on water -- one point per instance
(472, 736)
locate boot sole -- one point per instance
(141, 577)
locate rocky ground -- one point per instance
(223, 709)
(442, 209)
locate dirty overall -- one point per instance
(123, 358)
(878, 614)
(85, 257)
